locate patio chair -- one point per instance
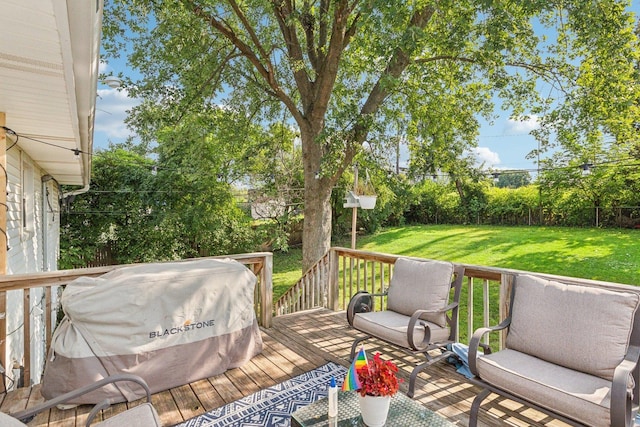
(572, 351)
(418, 317)
(143, 415)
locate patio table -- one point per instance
(402, 412)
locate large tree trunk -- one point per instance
(315, 96)
(316, 233)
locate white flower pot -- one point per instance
(367, 202)
(374, 409)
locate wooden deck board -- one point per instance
(295, 344)
(225, 388)
(187, 401)
(167, 408)
(207, 395)
(59, 418)
(257, 375)
(270, 369)
(35, 398)
(16, 400)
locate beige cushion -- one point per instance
(142, 415)
(578, 327)
(392, 327)
(420, 285)
(580, 396)
(9, 421)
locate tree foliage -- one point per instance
(513, 179)
(115, 212)
(148, 210)
(350, 71)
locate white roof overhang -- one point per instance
(49, 57)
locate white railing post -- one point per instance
(469, 308)
(506, 283)
(485, 309)
(266, 291)
(332, 285)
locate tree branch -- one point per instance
(351, 31)
(215, 75)
(250, 76)
(329, 68)
(541, 70)
(398, 62)
(308, 23)
(247, 52)
(444, 58)
(252, 34)
(283, 10)
(322, 28)
(228, 33)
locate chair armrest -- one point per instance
(361, 302)
(415, 317)
(621, 397)
(68, 397)
(475, 343)
(97, 408)
(383, 294)
(427, 331)
(448, 307)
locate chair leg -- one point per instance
(475, 407)
(355, 345)
(414, 375)
(430, 361)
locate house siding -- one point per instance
(30, 234)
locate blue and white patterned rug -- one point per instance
(272, 407)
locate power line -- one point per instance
(504, 136)
(155, 168)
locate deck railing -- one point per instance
(260, 263)
(342, 272)
(330, 283)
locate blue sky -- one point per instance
(503, 144)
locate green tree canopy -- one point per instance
(116, 211)
(144, 209)
(513, 179)
(343, 70)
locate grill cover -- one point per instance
(170, 323)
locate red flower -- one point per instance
(378, 378)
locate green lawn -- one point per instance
(287, 270)
(603, 254)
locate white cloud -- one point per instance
(514, 126)
(111, 110)
(484, 155)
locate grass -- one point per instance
(287, 270)
(611, 255)
(603, 254)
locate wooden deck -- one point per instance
(297, 343)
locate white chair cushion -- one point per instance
(392, 327)
(580, 396)
(578, 327)
(143, 415)
(420, 285)
(9, 421)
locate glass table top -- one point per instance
(402, 412)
